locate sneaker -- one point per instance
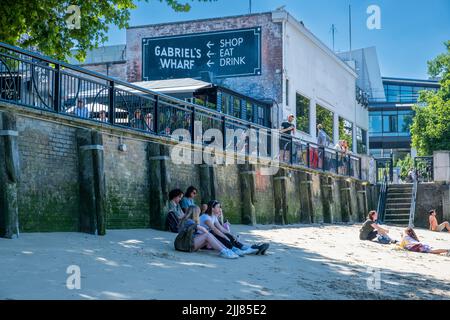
(262, 248)
(228, 254)
(238, 251)
(249, 250)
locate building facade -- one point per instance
(391, 116)
(286, 67)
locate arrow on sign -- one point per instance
(210, 63)
(209, 44)
(210, 54)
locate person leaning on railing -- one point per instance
(81, 110)
(287, 127)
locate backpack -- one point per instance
(172, 222)
(185, 239)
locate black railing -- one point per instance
(35, 81)
(381, 208)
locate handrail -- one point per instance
(118, 98)
(382, 199)
(412, 209)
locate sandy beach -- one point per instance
(303, 262)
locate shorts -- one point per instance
(440, 227)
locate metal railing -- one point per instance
(35, 81)
(381, 208)
(412, 209)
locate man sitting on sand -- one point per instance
(370, 230)
(434, 225)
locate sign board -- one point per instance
(231, 53)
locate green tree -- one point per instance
(405, 165)
(430, 130)
(43, 24)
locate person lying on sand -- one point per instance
(201, 236)
(371, 230)
(411, 242)
(435, 226)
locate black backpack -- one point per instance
(172, 222)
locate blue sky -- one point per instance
(412, 31)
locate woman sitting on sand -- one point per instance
(211, 223)
(370, 230)
(202, 237)
(411, 242)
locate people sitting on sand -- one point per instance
(188, 199)
(434, 225)
(211, 223)
(201, 236)
(371, 230)
(174, 214)
(411, 242)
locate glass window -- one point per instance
(346, 132)
(226, 101)
(249, 109)
(361, 139)
(287, 92)
(326, 118)
(405, 119)
(261, 116)
(406, 94)
(390, 122)
(302, 107)
(375, 122)
(236, 107)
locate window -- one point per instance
(226, 102)
(390, 124)
(326, 118)
(302, 107)
(287, 92)
(236, 107)
(375, 123)
(405, 119)
(346, 132)
(261, 116)
(361, 140)
(406, 94)
(249, 109)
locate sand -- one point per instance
(303, 262)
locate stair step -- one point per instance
(394, 205)
(398, 199)
(399, 194)
(397, 215)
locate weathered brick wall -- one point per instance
(49, 188)
(127, 183)
(266, 86)
(48, 192)
(229, 191)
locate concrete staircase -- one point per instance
(398, 204)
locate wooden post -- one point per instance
(9, 176)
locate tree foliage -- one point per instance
(430, 130)
(43, 24)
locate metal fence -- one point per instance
(35, 81)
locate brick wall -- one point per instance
(127, 188)
(48, 190)
(266, 86)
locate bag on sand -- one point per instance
(185, 239)
(383, 239)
